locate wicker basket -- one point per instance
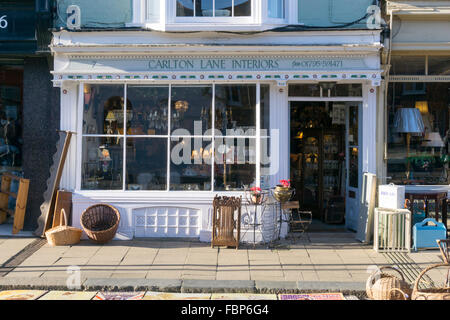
(442, 293)
(379, 285)
(63, 235)
(100, 222)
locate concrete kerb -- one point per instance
(187, 286)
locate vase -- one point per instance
(256, 198)
(282, 194)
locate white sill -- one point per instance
(206, 26)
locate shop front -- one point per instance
(159, 135)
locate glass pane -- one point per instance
(236, 109)
(347, 90)
(353, 167)
(242, 8)
(191, 109)
(147, 110)
(11, 120)
(422, 157)
(102, 163)
(204, 8)
(103, 109)
(265, 165)
(410, 65)
(153, 10)
(439, 65)
(276, 9)
(185, 8)
(265, 109)
(304, 90)
(146, 164)
(190, 164)
(353, 126)
(235, 163)
(223, 8)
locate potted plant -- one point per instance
(256, 196)
(283, 191)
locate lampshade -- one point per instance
(181, 105)
(422, 106)
(408, 120)
(110, 116)
(433, 139)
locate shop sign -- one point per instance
(17, 24)
(213, 64)
(253, 64)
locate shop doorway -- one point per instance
(324, 161)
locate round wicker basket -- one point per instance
(100, 222)
(380, 285)
(438, 293)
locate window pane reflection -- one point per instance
(235, 109)
(147, 111)
(242, 8)
(146, 164)
(190, 164)
(102, 164)
(191, 109)
(235, 161)
(103, 109)
(439, 65)
(185, 8)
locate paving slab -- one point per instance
(199, 286)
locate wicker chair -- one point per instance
(100, 222)
(226, 220)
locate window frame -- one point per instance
(81, 135)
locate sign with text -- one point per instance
(214, 64)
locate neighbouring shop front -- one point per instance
(159, 135)
(28, 120)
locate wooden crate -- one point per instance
(21, 200)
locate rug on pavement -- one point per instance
(243, 296)
(119, 296)
(176, 296)
(68, 295)
(21, 294)
(312, 296)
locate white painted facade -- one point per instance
(115, 57)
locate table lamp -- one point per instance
(433, 140)
(408, 120)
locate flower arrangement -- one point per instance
(285, 183)
(256, 195)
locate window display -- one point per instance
(418, 133)
(137, 132)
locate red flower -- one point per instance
(286, 183)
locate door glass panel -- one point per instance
(353, 167)
(353, 126)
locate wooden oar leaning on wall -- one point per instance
(21, 200)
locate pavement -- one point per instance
(316, 263)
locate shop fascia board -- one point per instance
(412, 48)
(418, 8)
(138, 38)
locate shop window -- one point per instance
(325, 89)
(304, 90)
(439, 65)
(408, 65)
(182, 158)
(11, 117)
(418, 133)
(213, 8)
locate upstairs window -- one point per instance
(275, 9)
(213, 8)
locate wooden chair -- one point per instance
(302, 222)
(445, 251)
(226, 221)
